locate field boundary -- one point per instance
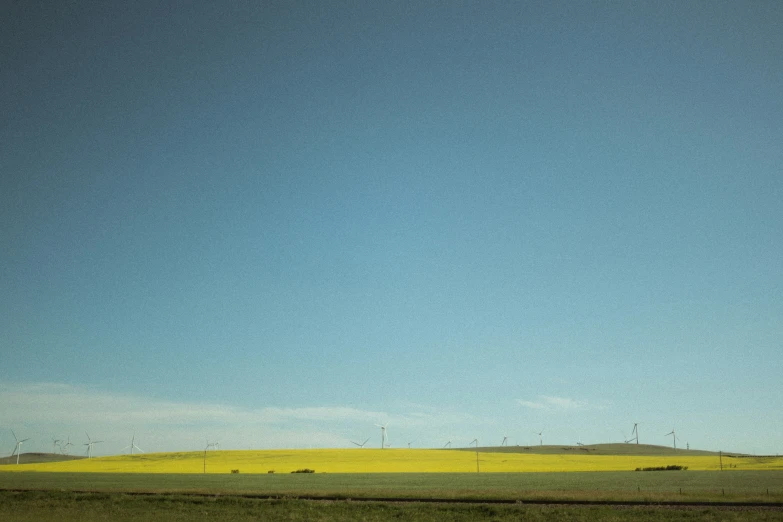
(773, 506)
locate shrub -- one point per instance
(305, 470)
(673, 467)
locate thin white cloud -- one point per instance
(47, 410)
(44, 402)
(551, 403)
(532, 404)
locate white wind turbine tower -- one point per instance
(384, 434)
(505, 441)
(540, 437)
(18, 447)
(55, 443)
(362, 444)
(674, 437)
(133, 445)
(90, 444)
(64, 448)
(447, 445)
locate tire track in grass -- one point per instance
(770, 506)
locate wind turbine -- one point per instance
(505, 441)
(411, 442)
(384, 435)
(634, 433)
(674, 437)
(540, 437)
(55, 443)
(67, 445)
(18, 447)
(133, 445)
(90, 444)
(447, 445)
(362, 444)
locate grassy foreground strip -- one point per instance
(681, 486)
(87, 507)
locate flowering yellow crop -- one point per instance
(383, 461)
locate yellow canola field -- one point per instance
(383, 461)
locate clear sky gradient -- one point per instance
(279, 223)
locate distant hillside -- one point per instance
(32, 458)
(597, 449)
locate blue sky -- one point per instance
(277, 224)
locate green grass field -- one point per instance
(107, 487)
(744, 486)
(105, 496)
(81, 507)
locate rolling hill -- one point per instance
(37, 458)
(647, 450)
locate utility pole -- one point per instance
(477, 456)
(209, 445)
(720, 456)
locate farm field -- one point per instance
(390, 461)
(740, 486)
(172, 486)
(87, 507)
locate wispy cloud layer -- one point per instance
(51, 409)
(546, 402)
